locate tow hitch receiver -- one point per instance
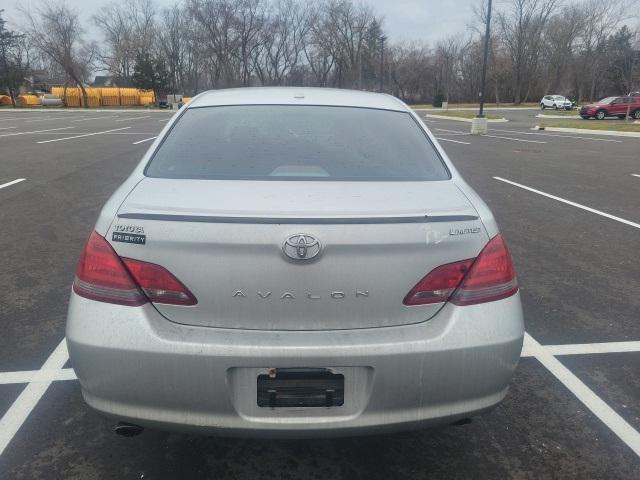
(300, 387)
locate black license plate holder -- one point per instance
(300, 387)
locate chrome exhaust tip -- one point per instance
(125, 429)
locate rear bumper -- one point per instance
(136, 366)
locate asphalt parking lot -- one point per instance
(569, 206)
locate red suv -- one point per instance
(612, 107)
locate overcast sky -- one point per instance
(428, 20)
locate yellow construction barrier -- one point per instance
(104, 96)
(27, 100)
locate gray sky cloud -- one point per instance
(404, 20)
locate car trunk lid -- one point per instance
(225, 241)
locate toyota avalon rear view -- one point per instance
(294, 262)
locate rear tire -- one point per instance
(636, 114)
(542, 107)
(555, 107)
(601, 115)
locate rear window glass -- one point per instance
(282, 142)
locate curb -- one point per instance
(575, 117)
(588, 132)
(471, 109)
(468, 120)
(80, 110)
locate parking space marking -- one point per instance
(559, 136)
(18, 412)
(132, 118)
(450, 140)
(569, 202)
(45, 119)
(598, 407)
(12, 182)
(93, 118)
(635, 175)
(593, 348)
(80, 136)
(6, 128)
(451, 131)
(34, 131)
(514, 139)
(145, 140)
(29, 376)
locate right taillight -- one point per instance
(491, 277)
(488, 277)
(103, 276)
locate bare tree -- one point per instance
(521, 25)
(282, 41)
(128, 30)
(178, 42)
(600, 21)
(55, 30)
(14, 60)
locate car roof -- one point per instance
(296, 96)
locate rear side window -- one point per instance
(290, 142)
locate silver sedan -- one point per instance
(294, 262)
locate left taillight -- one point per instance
(103, 276)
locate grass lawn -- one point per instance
(607, 125)
(476, 105)
(464, 114)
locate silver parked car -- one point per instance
(294, 262)
(556, 102)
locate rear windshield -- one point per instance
(290, 142)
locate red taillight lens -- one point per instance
(439, 284)
(159, 284)
(488, 277)
(102, 275)
(492, 276)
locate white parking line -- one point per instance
(569, 202)
(45, 119)
(93, 118)
(13, 419)
(635, 175)
(451, 131)
(513, 139)
(559, 136)
(132, 118)
(6, 128)
(35, 131)
(598, 407)
(30, 376)
(145, 140)
(80, 136)
(593, 348)
(492, 136)
(12, 182)
(450, 140)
